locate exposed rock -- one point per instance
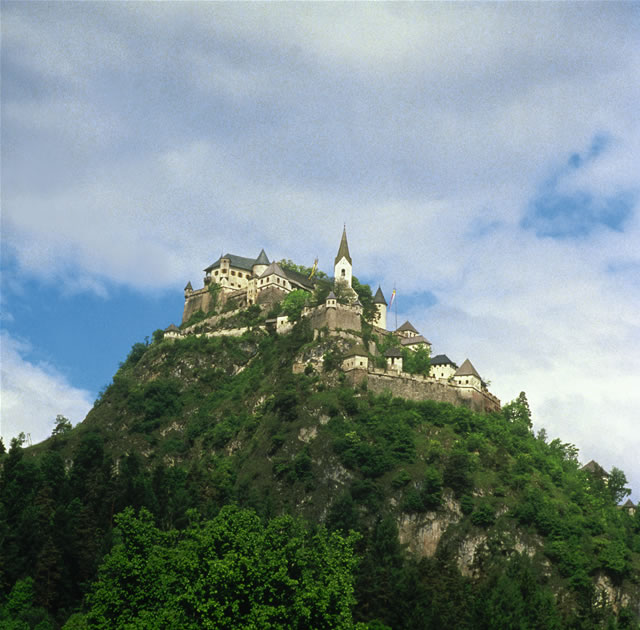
(608, 593)
(307, 434)
(423, 532)
(467, 554)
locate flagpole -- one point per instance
(396, 303)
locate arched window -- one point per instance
(344, 273)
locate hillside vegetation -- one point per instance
(212, 487)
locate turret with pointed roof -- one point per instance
(260, 264)
(381, 309)
(378, 298)
(407, 330)
(467, 369)
(468, 376)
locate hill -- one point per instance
(444, 517)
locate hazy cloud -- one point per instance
(33, 394)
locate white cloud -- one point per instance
(428, 128)
(33, 394)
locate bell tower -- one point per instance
(343, 265)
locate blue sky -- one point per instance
(484, 157)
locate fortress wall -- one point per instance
(422, 388)
(199, 300)
(333, 318)
(271, 295)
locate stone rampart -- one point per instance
(199, 300)
(343, 317)
(416, 387)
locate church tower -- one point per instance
(343, 265)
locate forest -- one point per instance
(210, 487)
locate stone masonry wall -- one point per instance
(199, 300)
(417, 388)
(333, 318)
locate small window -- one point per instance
(215, 273)
(343, 273)
(233, 273)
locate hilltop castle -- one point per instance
(239, 282)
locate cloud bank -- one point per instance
(484, 158)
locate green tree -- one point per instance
(416, 361)
(366, 299)
(293, 304)
(230, 572)
(343, 292)
(518, 411)
(616, 484)
(62, 426)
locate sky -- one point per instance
(484, 157)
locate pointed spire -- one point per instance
(262, 259)
(188, 287)
(343, 250)
(378, 298)
(467, 369)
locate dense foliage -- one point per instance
(138, 494)
(228, 572)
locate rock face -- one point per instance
(422, 533)
(611, 594)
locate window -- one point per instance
(343, 273)
(215, 273)
(233, 273)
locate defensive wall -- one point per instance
(331, 317)
(417, 387)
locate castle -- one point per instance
(239, 282)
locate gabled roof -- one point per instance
(378, 298)
(595, 468)
(261, 259)
(299, 278)
(239, 262)
(343, 250)
(407, 326)
(409, 341)
(442, 359)
(273, 268)
(629, 504)
(467, 369)
(393, 352)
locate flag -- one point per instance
(313, 269)
(393, 297)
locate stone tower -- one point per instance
(381, 309)
(343, 264)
